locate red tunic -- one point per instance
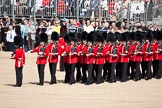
(89, 59)
(124, 56)
(146, 56)
(82, 56)
(110, 58)
(19, 57)
(99, 59)
(72, 59)
(157, 54)
(134, 50)
(58, 51)
(41, 59)
(45, 2)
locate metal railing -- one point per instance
(62, 8)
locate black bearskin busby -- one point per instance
(112, 37)
(18, 41)
(54, 36)
(43, 37)
(83, 35)
(149, 35)
(99, 38)
(90, 37)
(159, 35)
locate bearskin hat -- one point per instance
(18, 41)
(83, 35)
(138, 36)
(99, 38)
(90, 37)
(104, 34)
(159, 35)
(54, 36)
(112, 37)
(131, 36)
(123, 37)
(72, 37)
(43, 37)
(149, 35)
(67, 38)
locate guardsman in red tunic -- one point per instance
(147, 51)
(42, 55)
(99, 52)
(106, 65)
(112, 58)
(54, 49)
(158, 56)
(81, 59)
(72, 51)
(136, 52)
(130, 67)
(88, 51)
(62, 43)
(78, 65)
(19, 56)
(124, 57)
(64, 55)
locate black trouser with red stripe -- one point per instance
(124, 76)
(84, 69)
(41, 73)
(71, 73)
(19, 76)
(112, 75)
(67, 73)
(159, 69)
(137, 73)
(105, 70)
(155, 68)
(98, 70)
(90, 79)
(78, 74)
(52, 67)
(148, 70)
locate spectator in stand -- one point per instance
(123, 27)
(124, 9)
(104, 7)
(10, 38)
(45, 2)
(72, 26)
(111, 7)
(94, 8)
(41, 28)
(49, 29)
(117, 8)
(24, 34)
(132, 26)
(113, 28)
(61, 7)
(143, 26)
(31, 32)
(87, 8)
(1, 23)
(8, 21)
(89, 27)
(38, 5)
(72, 6)
(96, 26)
(56, 27)
(155, 27)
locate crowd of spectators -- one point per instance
(30, 30)
(87, 8)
